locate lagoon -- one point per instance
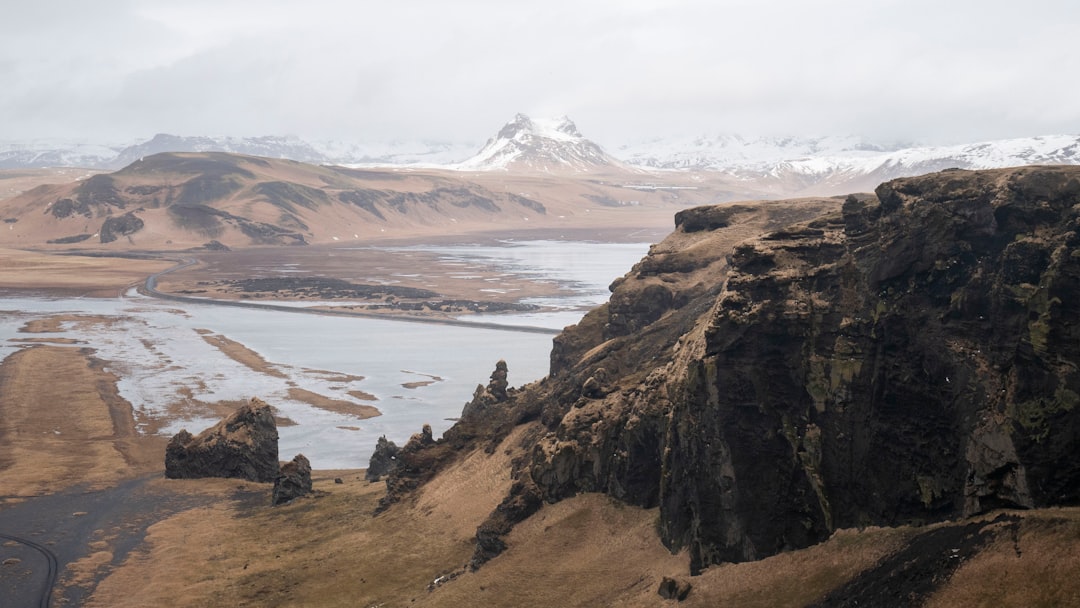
(418, 373)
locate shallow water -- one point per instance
(154, 347)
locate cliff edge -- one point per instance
(773, 372)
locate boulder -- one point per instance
(293, 481)
(673, 589)
(244, 445)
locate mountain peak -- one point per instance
(550, 145)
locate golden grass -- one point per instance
(334, 376)
(84, 275)
(340, 406)
(55, 323)
(799, 577)
(326, 550)
(62, 422)
(241, 354)
(1038, 566)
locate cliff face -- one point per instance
(909, 360)
(906, 358)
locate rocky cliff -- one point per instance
(773, 372)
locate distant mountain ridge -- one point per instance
(779, 166)
(59, 153)
(831, 162)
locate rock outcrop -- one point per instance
(416, 463)
(293, 480)
(485, 397)
(244, 445)
(115, 227)
(773, 372)
(383, 460)
(483, 421)
(672, 589)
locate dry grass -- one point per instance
(585, 551)
(326, 550)
(1038, 566)
(56, 323)
(334, 376)
(339, 406)
(62, 422)
(241, 354)
(799, 577)
(75, 275)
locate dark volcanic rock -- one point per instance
(417, 462)
(66, 240)
(383, 460)
(215, 246)
(486, 397)
(483, 421)
(908, 361)
(244, 445)
(293, 480)
(67, 207)
(671, 589)
(909, 358)
(117, 226)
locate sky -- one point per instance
(930, 72)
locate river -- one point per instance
(416, 373)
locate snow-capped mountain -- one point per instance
(726, 152)
(54, 153)
(830, 164)
(289, 147)
(395, 153)
(773, 166)
(547, 146)
(1045, 150)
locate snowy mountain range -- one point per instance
(831, 161)
(54, 153)
(782, 165)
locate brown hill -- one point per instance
(186, 200)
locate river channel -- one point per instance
(413, 373)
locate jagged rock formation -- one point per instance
(383, 460)
(293, 480)
(416, 463)
(422, 457)
(484, 397)
(243, 445)
(905, 358)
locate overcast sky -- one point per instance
(456, 70)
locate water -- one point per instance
(584, 269)
(160, 357)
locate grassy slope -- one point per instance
(330, 551)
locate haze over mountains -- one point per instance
(781, 165)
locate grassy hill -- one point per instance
(187, 200)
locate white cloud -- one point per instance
(913, 70)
